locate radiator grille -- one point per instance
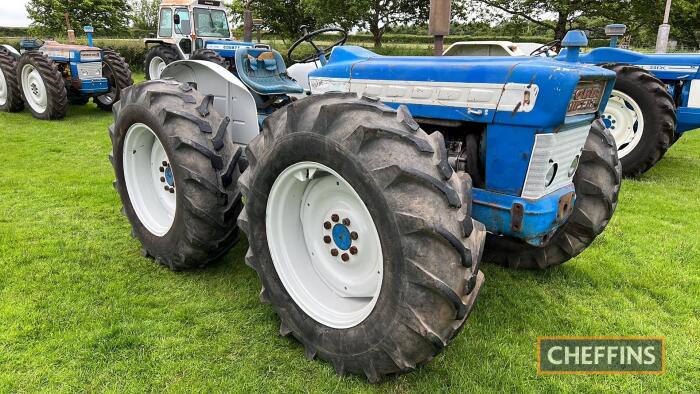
(90, 70)
(561, 150)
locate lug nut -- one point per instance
(327, 225)
(162, 179)
(327, 239)
(353, 250)
(165, 163)
(162, 169)
(172, 190)
(345, 257)
(354, 236)
(346, 222)
(334, 253)
(335, 218)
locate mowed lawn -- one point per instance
(81, 310)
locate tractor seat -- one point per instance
(264, 72)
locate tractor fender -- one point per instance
(12, 50)
(232, 98)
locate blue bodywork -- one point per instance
(226, 48)
(677, 71)
(72, 56)
(510, 133)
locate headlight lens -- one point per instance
(551, 175)
(574, 166)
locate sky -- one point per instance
(13, 13)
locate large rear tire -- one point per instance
(118, 74)
(157, 58)
(10, 92)
(177, 171)
(597, 183)
(43, 88)
(334, 164)
(641, 117)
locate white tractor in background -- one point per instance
(190, 30)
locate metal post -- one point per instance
(440, 18)
(247, 23)
(664, 30)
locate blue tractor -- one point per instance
(655, 101)
(47, 76)
(370, 204)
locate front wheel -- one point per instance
(177, 171)
(641, 117)
(157, 58)
(43, 87)
(597, 184)
(10, 93)
(369, 260)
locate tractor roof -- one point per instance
(191, 2)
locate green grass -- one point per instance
(81, 310)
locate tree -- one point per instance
(565, 12)
(145, 14)
(283, 17)
(373, 15)
(107, 16)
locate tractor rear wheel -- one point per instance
(10, 93)
(370, 260)
(157, 58)
(209, 56)
(43, 87)
(118, 74)
(597, 183)
(177, 171)
(641, 117)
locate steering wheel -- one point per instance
(546, 48)
(322, 53)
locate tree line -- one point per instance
(378, 17)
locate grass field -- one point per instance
(81, 310)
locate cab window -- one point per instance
(185, 25)
(211, 23)
(165, 28)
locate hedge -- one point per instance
(134, 51)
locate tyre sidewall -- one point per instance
(34, 59)
(300, 147)
(158, 246)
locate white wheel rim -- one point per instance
(156, 67)
(148, 173)
(334, 292)
(34, 89)
(623, 117)
(3, 88)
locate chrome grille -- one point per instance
(90, 70)
(562, 149)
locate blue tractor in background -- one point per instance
(47, 76)
(369, 204)
(655, 101)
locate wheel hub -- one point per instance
(314, 220)
(34, 89)
(624, 119)
(150, 179)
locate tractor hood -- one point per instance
(666, 66)
(506, 90)
(75, 53)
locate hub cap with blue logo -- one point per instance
(324, 245)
